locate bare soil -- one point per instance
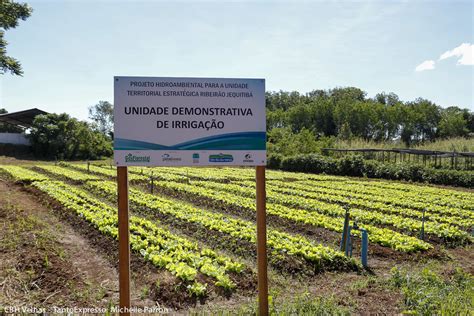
(44, 261)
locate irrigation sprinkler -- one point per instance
(345, 228)
(364, 248)
(348, 246)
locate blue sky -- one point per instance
(70, 50)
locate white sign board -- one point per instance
(162, 121)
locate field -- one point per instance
(458, 144)
(193, 237)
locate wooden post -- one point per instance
(124, 239)
(262, 242)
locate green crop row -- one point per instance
(315, 195)
(299, 200)
(411, 199)
(316, 213)
(105, 171)
(159, 174)
(240, 174)
(178, 255)
(68, 173)
(442, 201)
(280, 243)
(413, 188)
(382, 236)
(21, 174)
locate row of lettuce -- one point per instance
(187, 260)
(413, 191)
(182, 257)
(307, 201)
(318, 202)
(315, 201)
(284, 243)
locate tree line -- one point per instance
(296, 123)
(348, 112)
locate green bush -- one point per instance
(460, 178)
(274, 161)
(355, 165)
(311, 163)
(351, 165)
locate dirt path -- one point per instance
(71, 271)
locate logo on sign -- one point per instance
(195, 158)
(248, 158)
(168, 157)
(221, 158)
(133, 158)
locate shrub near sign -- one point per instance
(189, 121)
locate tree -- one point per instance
(452, 123)
(10, 13)
(62, 137)
(347, 112)
(322, 116)
(276, 118)
(103, 116)
(299, 117)
(345, 132)
(469, 117)
(387, 99)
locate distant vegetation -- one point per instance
(347, 118)
(58, 136)
(457, 144)
(297, 124)
(357, 166)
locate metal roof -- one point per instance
(21, 118)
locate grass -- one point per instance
(429, 293)
(22, 271)
(362, 143)
(363, 283)
(458, 144)
(303, 304)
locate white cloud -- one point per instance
(426, 65)
(465, 52)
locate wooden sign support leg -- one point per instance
(124, 239)
(262, 243)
